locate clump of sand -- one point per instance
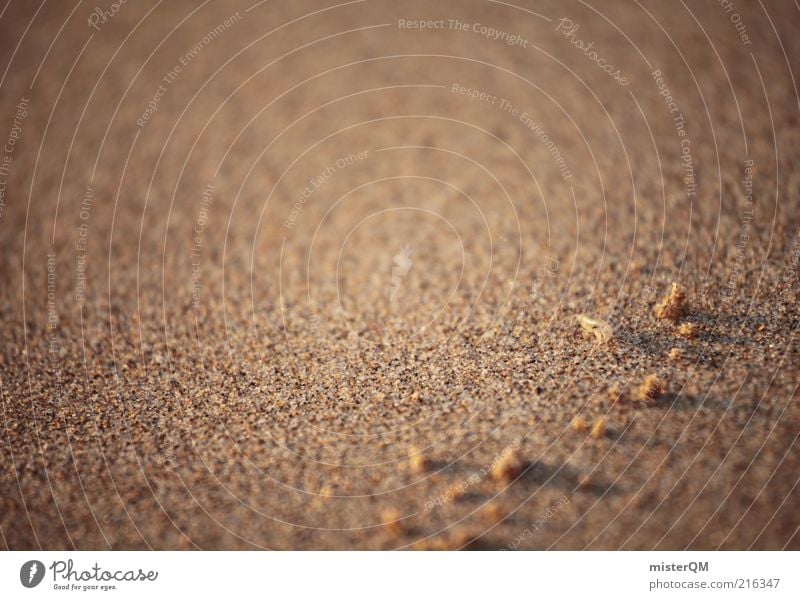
(688, 330)
(508, 466)
(650, 389)
(391, 519)
(599, 428)
(579, 424)
(673, 306)
(417, 461)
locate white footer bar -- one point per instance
(388, 575)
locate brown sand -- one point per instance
(392, 359)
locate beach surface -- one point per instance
(308, 275)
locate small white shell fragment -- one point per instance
(601, 330)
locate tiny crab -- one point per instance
(601, 330)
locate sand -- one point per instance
(298, 275)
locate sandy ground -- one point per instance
(305, 275)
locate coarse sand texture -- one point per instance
(399, 275)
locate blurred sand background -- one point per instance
(270, 281)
